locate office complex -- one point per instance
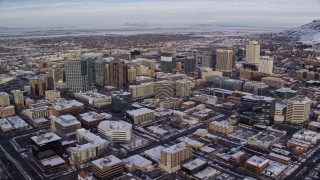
(225, 60)
(266, 64)
(121, 101)
(45, 145)
(91, 120)
(117, 74)
(115, 131)
(65, 126)
(107, 167)
(18, 98)
(257, 88)
(171, 157)
(298, 110)
(54, 76)
(168, 59)
(257, 110)
(253, 52)
(77, 75)
(101, 72)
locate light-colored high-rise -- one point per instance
(108, 167)
(253, 52)
(172, 157)
(164, 89)
(225, 60)
(265, 64)
(298, 110)
(183, 88)
(18, 99)
(132, 74)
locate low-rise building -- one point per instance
(256, 164)
(266, 138)
(224, 127)
(137, 162)
(65, 126)
(64, 107)
(107, 168)
(7, 111)
(38, 112)
(52, 95)
(314, 126)
(96, 100)
(52, 165)
(141, 116)
(237, 157)
(115, 131)
(92, 119)
(194, 166)
(279, 158)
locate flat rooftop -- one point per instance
(106, 162)
(194, 164)
(257, 161)
(115, 125)
(45, 138)
(140, 111)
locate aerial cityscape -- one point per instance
(165, 90)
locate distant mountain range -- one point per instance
(308, 33)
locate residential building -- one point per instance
(256, 164)
(298, 110)
(4, 99)
(224, 127)
(173, 156)
(225, 60)
(266, 64)
(18, 99)
(253, 52)
(164, 89)
(38, 85)
(183, 88)
(7, 111)
(52, 95)
(142, 91)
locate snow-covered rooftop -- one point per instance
(45, 138)
(194, 164)
(115, 125)
(139, 112)
(106, 162)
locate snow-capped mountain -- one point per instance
(307, 34)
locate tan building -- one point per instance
(183, 88)
(266, 64)
(52, 95)
(65, 126)
(64, 107)
(4, 99)
(164, 89)
(253, 52)
(225, 60)
(172, 157)
(152, 64)
(94, 99)
(224, 127)
(274, 82)
(92, 119)
(141, 116)
(132, 74)
(142, 91)
(117, 73)
(108, 167)
(7, 111)
(18, 99)
(38, 112)
(38, 85)
(298, 110)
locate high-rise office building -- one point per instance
(183, 88)
(117, 73)
(257, 88)
(77, 76)
(253, 52)
(265, 64)
(189, 65)
(257, 110)
(4, 99)
(46, 145)
(298, 110)
(193, 53)
(225, 60)
(108, 167)
(38, 85)
(168, 59)
(208, 59)
(164, 89)
(102, 72)
(54, 75)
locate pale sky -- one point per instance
(112, 13)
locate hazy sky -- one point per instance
(261, 13)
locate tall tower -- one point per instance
(18, 99)
(117, 74)
(101, 70)
(168, 58)
(208, 59)
(253, 52)
(298, 110)
(38, 85)
(54, 75)
(77, 76)
(265, 64)
(225, 60)
(132, 74)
